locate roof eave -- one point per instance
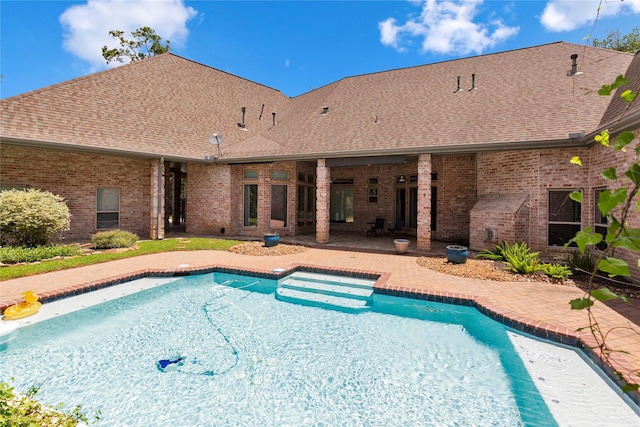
(54, 145)
(408, 151)
(414, 151)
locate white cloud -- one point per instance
(86, 27)
(564, 15)
(448, 27)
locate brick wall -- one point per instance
(533, 172)
(456, 183)
(498, 217)
(599, 159)
(208, 201)
(76, 177)
(385, 184)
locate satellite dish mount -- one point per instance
(216, 139)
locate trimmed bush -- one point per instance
(113, 239)
(30, 217)
(13, 254)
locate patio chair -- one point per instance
(397, 228)
(376, 227)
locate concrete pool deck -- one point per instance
(540, 306)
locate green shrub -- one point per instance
(520, 260)
(113, 239)
(583, 263)
(15, 254)
(556, 271)
(517, 256)
(496, 254)
(523, 263)
(23, 410)
(30, 217)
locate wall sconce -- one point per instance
(401, 179)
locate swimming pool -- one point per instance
(252, 359)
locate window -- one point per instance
(306, 199)
(251, 174)
(311, 205)
(278, 206)
(280, 175)
(564, 217)
(250, 205)
(373, 195)
(600, 223)
(306, 204)
(342, 204)
(107, 208)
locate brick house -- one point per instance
(473, 150)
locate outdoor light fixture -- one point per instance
(216, 139)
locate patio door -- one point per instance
(401, 202)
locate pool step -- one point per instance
(349, 294)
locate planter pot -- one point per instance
(271, 240)
(457, 254)
(401, 245)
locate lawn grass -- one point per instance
(143, 248)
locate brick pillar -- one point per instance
(323, 199)
(424, 202)
(156, 215)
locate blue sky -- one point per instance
(292, 46)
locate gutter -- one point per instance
(414, 151)
(54, 145)
(407, 151)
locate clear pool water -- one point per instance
(252, 360)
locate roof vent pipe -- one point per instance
(325, 110)
(242, 125)
(458, 88)
(274, 118)
(473, 82)
(574, 65)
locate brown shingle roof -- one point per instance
(168, 105)
(165, 105)
(618, 107)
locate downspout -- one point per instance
(159, 207)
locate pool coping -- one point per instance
(554, 333)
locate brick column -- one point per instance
(424, 202)
(156, 214)
(323, 200)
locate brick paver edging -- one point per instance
(538, 329)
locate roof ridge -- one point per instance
(225, 72)
(478, 56)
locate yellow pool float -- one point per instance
(30, 306)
